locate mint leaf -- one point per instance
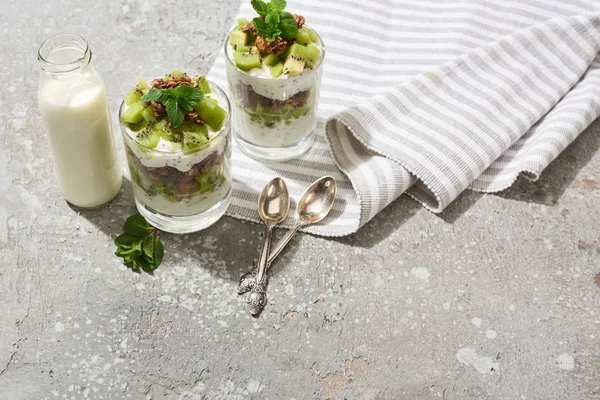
(260, 7)
(148, 246)
(153, 95)
(277, 5)
(261, 27)
(125, 240)
(147, 265)
(288, 26)
(140, 245)
(159, 252)
(272, 20)
(136, 225)
(174, 113)
(188, 94)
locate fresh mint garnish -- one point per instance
(177, 101)
(274, 22)
(140, 245)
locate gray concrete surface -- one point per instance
(497, 298)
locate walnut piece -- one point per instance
(276, 47)
(300, 20)
(249, 27)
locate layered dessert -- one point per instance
(176, 131)
(274, 73)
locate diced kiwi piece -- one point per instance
(271, 60)
(299, 112)
(211, 113)
(311, 34)
(193, 141)
(277, 70)
(132, 96)
(142, 86)
(246, 61)
(174, 73)
(162, 129)
(133, 114)
(203, 84)
(246, 49)
(242, 21)
(138, 126)
(148, 114)
(204, 183)
(251, 38)
(311, 55)
(283, 56)
(148, 138)
(302, 37)
(238, 38)
(293, 66)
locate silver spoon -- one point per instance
(314, 205)
(273, 206)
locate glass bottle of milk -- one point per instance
(74, 105)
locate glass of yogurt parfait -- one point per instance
(176, 132)
(274, 84)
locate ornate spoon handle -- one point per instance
(257, 298)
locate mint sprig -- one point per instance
(274, 22)
(140, 245)
(177, 101)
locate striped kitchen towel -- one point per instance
(431, 97)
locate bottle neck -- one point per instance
(64, 54)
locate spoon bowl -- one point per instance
(274, 202)
(317, 200)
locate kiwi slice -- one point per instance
(172, 74)
(246, 61)
(271, 60)
(132, 96)
(311, 34)
(203, 84)
(242, 21)
(133, 114)
(238, 38)
(311, 55)
(148, 138)
(294, 65)
(193, 141)
(138, 126)
(148, 114)
(211, 113)
(302, 37)
(308, 54)
(162, 129)
(142, 86)
(277, 70)
(246, 49)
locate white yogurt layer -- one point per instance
(278, 135)
(171, 154)
(195, 205)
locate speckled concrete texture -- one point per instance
(497, 298)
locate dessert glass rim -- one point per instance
(125, 129)
(302, 75)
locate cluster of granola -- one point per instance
(173, 82)
(277, 46)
